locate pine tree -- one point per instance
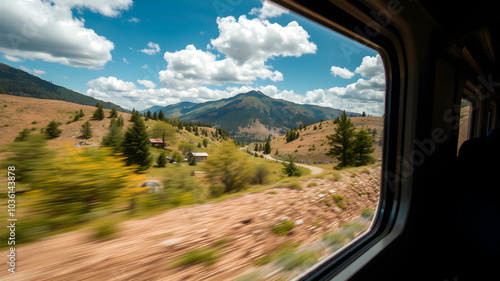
(135, 146)
(161, 116)
(362, 148)
(155, 116)
(148, 114)
(120, 122)
(113, 113)
(23, 135)
(205, 142)
(86, 130)
(363, 115)
(99, 112)
(52, 130)
(81, 114)
(193, 161)
(342, 142)
(114, 137)
(267, 147)
(162, 160)
(290, 168)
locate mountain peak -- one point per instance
(252, 93)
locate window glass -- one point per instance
(465, 121)
(217, 140)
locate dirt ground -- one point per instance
(147, 249)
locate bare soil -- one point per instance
(147, 249)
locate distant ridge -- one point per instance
(251, 115)
(16, 82)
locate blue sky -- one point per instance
(143, 53)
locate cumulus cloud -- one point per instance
(47, 30)
(370, 66)
(153, 49)
(134, 20)
(191, 67)
(147, 84)
(246, 40)
(268, 10)
(342, 72)
(111, 84)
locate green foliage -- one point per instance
(283, 228)
(162, 160)
(227, 168)
(164, 131)
(186, 147)
(86, 130)
(177, 157)
(205, 142)
(341, 141)
(193, 161)
(292, 259)
(135, 146)
(52, 130)
(113, 113)
(23, 135)
(267, 147)
(349, 147)
(367, 213)
(99, 112)
(105, 230)
(85, 180)
(292, 135)
(206, 255)
(29, 156)
(261, 173)
(114, 137)
(363, 148)
(290, 169)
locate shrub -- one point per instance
(312, 184)
(204, 255)
(292, 259)
(365, 171)
(105, 231)
(367, 213)
(260, 175)
(283, 228)
(336, 177)
(52, 130)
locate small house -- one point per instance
(200, 156)
(156, 143)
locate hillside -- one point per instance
(252, 115)
(303, 146)
(18, 113)
(20, 83)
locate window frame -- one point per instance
(469, 96)
(393, 206)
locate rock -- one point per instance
(247, 221)
(299, 222)
(331, 191)
(285, 218)
(154, 186)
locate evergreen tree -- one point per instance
(23, 135)
(256, 148)
(193, 161)
(199, 145)
(135, 116)
(363, 115)
(155, 116)
(135, 146)
(148, 114)
(205, 142)
(81, 114)
(114, 137)
(99, 112)
(86, 130)
(342, 142)
(113, 113)
(267, 147)
(161, 116)
(119, 122)
(52, 130)
(290, 168)
(362, 148)
(162, 160)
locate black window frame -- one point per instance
(393, 206)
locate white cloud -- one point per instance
(268, 10)
(370, 66)
(12, 58)
(34, 71)
(111, 84)
(342, 72)
(47, 30)
(246, 40)
(134, 20)
(190, 68)
(153, 49)
(109, 8)
(145, 66)
(125, 60)
(147, 84)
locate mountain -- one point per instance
(252, 115)
(20, 83)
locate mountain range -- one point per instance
(16, 82)
(251, 115)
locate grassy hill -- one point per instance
(312, 145)
(20, 83)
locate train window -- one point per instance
(225, 140)
(464, 130)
